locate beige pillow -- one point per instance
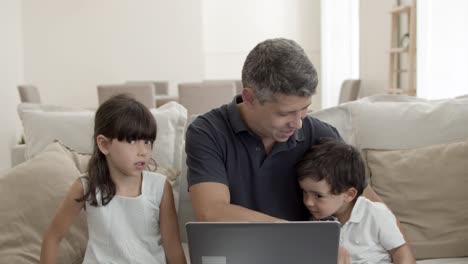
(426, 188)
(30, 194)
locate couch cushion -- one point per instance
(426, 189)
(30, 194)
(407, 123)
(75, 130)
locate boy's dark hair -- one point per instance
(120, 117)
(340, 164)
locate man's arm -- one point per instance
(211, 202)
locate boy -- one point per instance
(332, 178)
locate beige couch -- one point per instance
(417, 159)
(415, 152)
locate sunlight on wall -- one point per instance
(232, 28)
(340, 47)
(442, 48)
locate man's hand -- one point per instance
(343, 255)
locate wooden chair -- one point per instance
(142, 92)
(201, 97)
(349, 90)
(29, 94)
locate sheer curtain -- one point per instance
(442, 48)
(340, 47)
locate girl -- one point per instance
(130, 212)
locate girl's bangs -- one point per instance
(136, 126)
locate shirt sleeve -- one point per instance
(205, 162)
(390, 236)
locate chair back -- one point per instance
(200, 98)
(29, 94)
(142, 92)
(349, 90)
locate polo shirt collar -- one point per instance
(234, 115)
(358, 211)
(239, 126)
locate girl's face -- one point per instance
(320, 202)
(128, 157)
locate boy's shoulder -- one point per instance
(367, 208)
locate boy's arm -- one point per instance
(402, 255)
(170, 228)
(66, 213)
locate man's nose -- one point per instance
(297, 122)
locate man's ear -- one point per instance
(350, 194)
(102, 143)
(248, 97)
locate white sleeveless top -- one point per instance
(126, 230)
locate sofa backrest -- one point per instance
(415, 152)
(395, 122)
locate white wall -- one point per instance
(11, 73)
(72, 46)
(374, 45)
(232, 28)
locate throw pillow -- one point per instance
(75, 130)
(30, 194)
(415, 123)
(426, 189)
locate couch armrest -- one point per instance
(17, 154)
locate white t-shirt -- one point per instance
(126, 230)
(370, 232)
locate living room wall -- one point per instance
(11, 73)
(72, 46)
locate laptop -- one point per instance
(263, 243)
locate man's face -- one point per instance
(279, 118)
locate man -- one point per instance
(241, 157)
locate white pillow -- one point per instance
(340, 118)
(399, 124)
(75, 130)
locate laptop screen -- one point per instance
(258, 243)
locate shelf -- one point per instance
(399, 50)
(401, 9)
(395, 90)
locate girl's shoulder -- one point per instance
(155, 177)
(153, 183)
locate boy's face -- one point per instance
(318, 199)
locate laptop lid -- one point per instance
(258, 243)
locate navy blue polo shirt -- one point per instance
(221, 148)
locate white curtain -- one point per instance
(442, 48)
(340, 47)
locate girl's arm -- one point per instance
(402, 255)
(66, 213)
(170, 228)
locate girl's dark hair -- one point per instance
(121, 117)
(340, 164)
